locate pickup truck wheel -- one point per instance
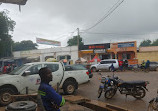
(69, 87)
(94, 69)
(5, 96)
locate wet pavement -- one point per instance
(89, 90)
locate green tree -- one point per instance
(73, 42)
(6, 26)
(145, 43)
(155, 43)
(24, 45)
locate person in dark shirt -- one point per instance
(51, 100)
(147, 64)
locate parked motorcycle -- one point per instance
(106, 83)
(153, 104)
(140, 69)
(133, 88)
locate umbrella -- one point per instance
(93, 60)
(51, 60)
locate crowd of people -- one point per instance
(123, 64)
(7, 68)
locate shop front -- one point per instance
(92, 50)
(124, 51)
(120, 51)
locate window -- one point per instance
(35, 69)
(103, 62)
(78, 67)
(19, 70)
(107, 62)
(128, 56)
(68, 57)
(53, 67)
(111, 61)
(68, 68)
(61, 57)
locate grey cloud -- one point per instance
(51, 18)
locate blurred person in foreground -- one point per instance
(51, 100)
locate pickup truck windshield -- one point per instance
(18, 70)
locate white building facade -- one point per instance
(69, 53)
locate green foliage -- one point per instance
(145, 43)
(148, 42)
(24, 45)
(6, 26)
(155, 43)
(73, 42)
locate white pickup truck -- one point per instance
(26, 77)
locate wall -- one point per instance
(147, 53)
(152, 56)
(42, 53)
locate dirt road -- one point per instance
(90, 90)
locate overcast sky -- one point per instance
(57, 19)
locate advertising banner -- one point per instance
(125, 44)
(47, 42)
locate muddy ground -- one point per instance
(90, 90)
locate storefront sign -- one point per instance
(131, 44)
(99, 51)
(97, 46)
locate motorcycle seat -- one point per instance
(133, 83)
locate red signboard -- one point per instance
(96, 47)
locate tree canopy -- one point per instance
(24, 45)
(148, 42)
(73, 42)
(6, 43)
(6, 26)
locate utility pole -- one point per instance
(78, 35)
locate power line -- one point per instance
(115, 33)
(67, 34)
(112, 9)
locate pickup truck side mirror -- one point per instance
(26, 73)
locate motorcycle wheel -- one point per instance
(110, 93)
(146, 70)
(153, 106)
(100, 90)
(139, 93)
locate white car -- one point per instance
(27, 77)
(105, 65)
(79, 70)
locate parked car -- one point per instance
(79, 70)
(27, 76)
(105, 65)
(153, 66)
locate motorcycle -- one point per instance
(133, 88)
(106, 83)
(153, 104)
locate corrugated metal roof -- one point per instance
(18, 2)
